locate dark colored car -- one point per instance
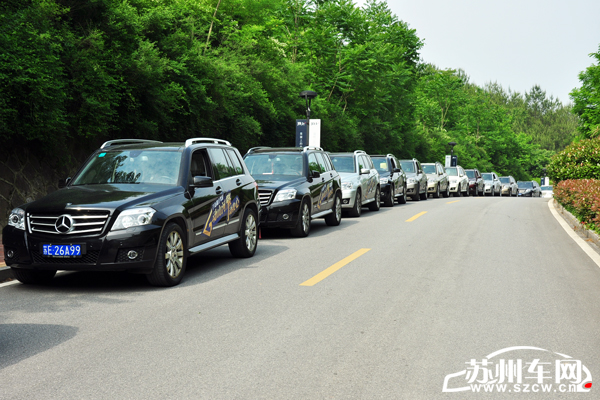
(529, 189)
(139, 206)
(295, 185)
(391, 178)
(476, 183)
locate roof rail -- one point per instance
(311, 148)
(251, 150)
(126, 141)
(192, 141)
(360, 152)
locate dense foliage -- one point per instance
(581, 197)
(580, 160)
(81, 71)
(586, 99)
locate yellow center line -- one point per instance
(455, 201)
(324, 274)
(411, 219)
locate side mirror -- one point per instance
(202, 182)
(396, 170)
(63, 182)
(315, 174)
(365, 171)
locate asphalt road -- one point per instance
(464, 280)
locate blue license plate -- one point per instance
(63, 250)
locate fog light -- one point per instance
(286, 216)
(132, 254)
(10, 254)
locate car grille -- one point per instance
(91, 257)
(264, 196)
(84, 222)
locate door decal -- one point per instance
(224, 206)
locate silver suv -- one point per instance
(415, 178)
(437, 179)
(360, 181)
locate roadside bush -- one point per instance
(581, 197)
(580, 160)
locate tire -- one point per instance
(437, 192)
(417, 197)
(389, 202)
(245, 246)
(171, 258)
(335, 217)
(302, 228)
(446, 194)
(402, 199)
(376, 205)
(423, 195)
(357, 209)
(32, 276)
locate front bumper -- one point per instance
(104, 253)
(431, 187)
(348, 198)
(411, 189)
(282, 214)
(454, 187)
(385, 190)
(506, 191)
(525, 194)
(488, 189)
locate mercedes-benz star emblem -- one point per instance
(64, 224)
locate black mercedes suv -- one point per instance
(295, 185)
(140, 206)
(391, 178)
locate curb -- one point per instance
(576, 225)
(5, 272)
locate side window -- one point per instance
(198, 164)
(235, 162)
(313, 165)
(321, 161)
(221, 167)
(328, 162)
(361, 163)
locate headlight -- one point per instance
(133, 217)
(487, 186)
(347, 185)
(382, 181)
(17, 218)
(287, 194)
(411, 180)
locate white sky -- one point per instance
(517, 43)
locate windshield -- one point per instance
(525, 185)
(452, 171)
(344, 163)
(131, 166)
(470, 174)
(408, 166)
(487, 177)
(274, 165)
(429, 169)
(505, 180)
(381, 164)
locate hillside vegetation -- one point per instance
(76, 72)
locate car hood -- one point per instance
(384, 174)
(349, 176)
(278, 185)
(411, 174)
(103, 197)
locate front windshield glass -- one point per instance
(505, 180)
(452, 171)
(344, 163)
(131, 166)
(274, 165)
(408, 166)
(429, 169)
(381, 164)
(487, 177)
(470, 174)
(525, 185)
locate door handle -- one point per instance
(238, 182)
(322, 179)
(219, 190)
